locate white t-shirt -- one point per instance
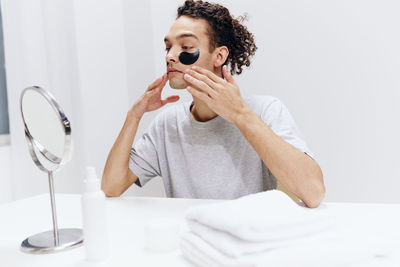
(209, 159)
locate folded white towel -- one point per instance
(266, 216)
(233, 246)
(326, 252)
(269, 229)
(202, 254)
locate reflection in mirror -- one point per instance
(48, 134)
(43, 123)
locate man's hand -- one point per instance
(151, 99)
(117, 176)
(222, 96)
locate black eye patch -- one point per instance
(189, 58)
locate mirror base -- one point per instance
(44, 243)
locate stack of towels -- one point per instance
(262, 229)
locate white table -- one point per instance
(128, 215)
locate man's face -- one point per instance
(186, 35)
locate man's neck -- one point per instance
(201, 112)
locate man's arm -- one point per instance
(117, 176)
(298, 172)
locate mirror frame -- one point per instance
(32, 143)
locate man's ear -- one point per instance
(221, 54)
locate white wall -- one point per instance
(5, 186)
(78, 51)
(25, 66)
(334, 64)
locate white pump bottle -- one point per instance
(94, 218)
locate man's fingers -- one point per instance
(170, 99)
(199, 94)
(163, 79)
(154, 84)
(202, 77)
(156, 90)
(200, 85)
(159, 85)
(209, 74)
(228, 76)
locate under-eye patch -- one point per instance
(189, 58)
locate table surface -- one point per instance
(126, 217)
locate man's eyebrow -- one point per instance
(183, 35)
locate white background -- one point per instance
(335, 64)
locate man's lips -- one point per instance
(173, 71)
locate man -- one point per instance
(220, 145)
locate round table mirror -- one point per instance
(48, 134)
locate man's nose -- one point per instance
(172, 56)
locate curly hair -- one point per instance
(224, 31)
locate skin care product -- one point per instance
(189, 58)
(95, 237)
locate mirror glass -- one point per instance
(44, 124)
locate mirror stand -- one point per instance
(54, 240)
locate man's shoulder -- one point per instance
(259, 103)
(174, 110)
(170, 112)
